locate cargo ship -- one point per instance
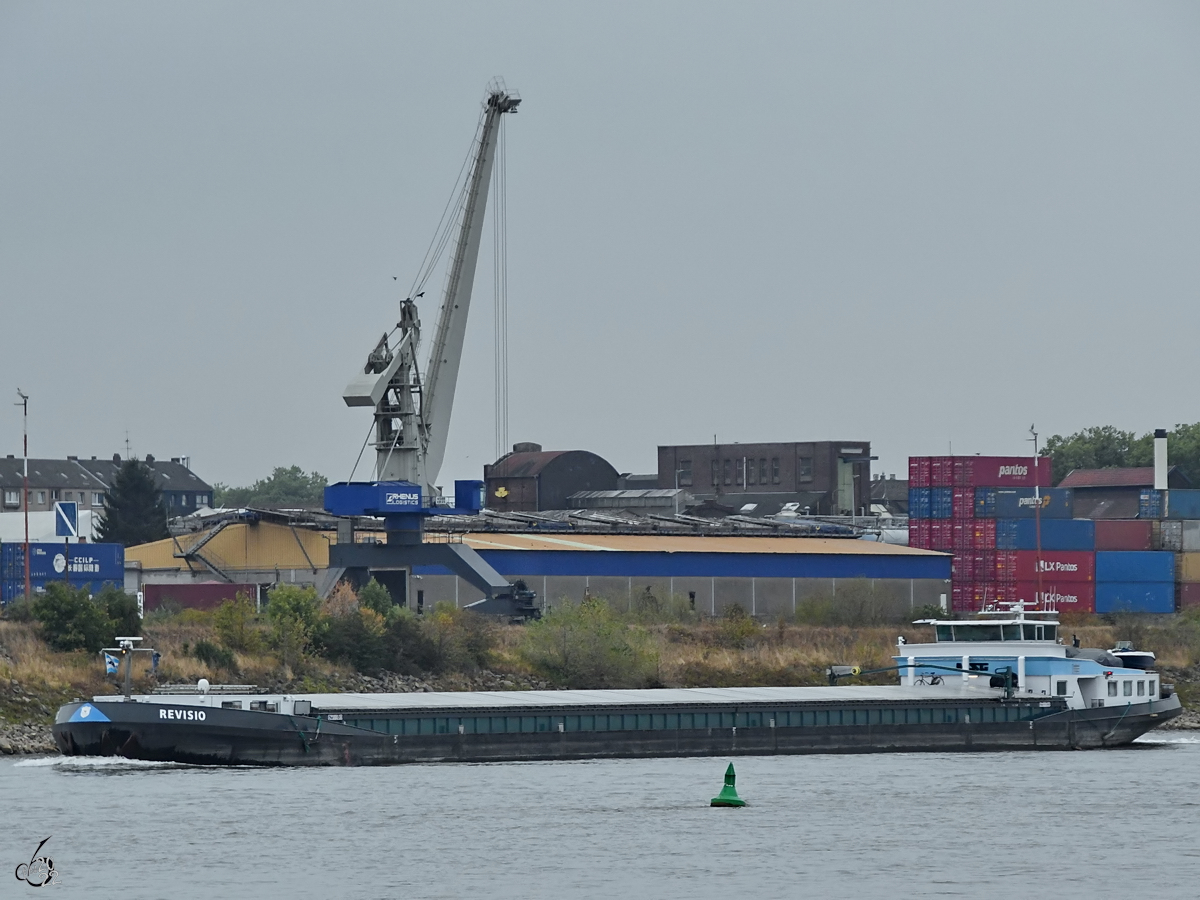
(1005, 681)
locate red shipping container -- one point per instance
(1000, 471)
(963, 503)
(941, 471)
(984, 566)
(962, 598)
(1124, 534)
(1057, 565)
(972, 596)
(1065, 596)
(198, 595)
(964, 535)
(918, 534)
(963, 568)
(941, 534)
(1006, 565)
(984, 531)
(919, 471)
(1189, 595)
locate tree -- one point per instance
(289, 487)
(134, 512)
(1108, 447)
(293, 613)
(1092, 448)
(376, 597)
(72, 620)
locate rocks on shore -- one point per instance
(24, 737)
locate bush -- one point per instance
(737, 626)
(586, 645)
(406, 647)
(71, 620)
(460, 640)
(235, 624)
(356, 638)
(214, 656)
(166, 610)
(122, 609)
(19, 610)
(648, 608)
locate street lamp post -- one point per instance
(24, 404)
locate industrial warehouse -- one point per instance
(765, 575)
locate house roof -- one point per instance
(93, 474)
(49, 473)
(1133, 477)
(168, 474)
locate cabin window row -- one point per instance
(692, 720)
(1127, 688)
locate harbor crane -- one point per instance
(412, 415)
(412, 410)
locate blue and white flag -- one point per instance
(111, 664)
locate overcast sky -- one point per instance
(922, 224)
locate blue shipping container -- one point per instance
(918, 503)
(1150, 504)
(1183, 504)
(1140, 596)
(1057, 534)
(1137, 565)
(1020, 503)
(941, 503)
(93, 564)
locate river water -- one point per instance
(1121, 823)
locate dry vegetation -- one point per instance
(730, 651)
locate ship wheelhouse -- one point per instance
(1022, 649)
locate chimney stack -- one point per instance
(1160, 459)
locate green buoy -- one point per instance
(729, 795)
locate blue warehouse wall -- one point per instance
(557, 563)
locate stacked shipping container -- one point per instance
(982, 509)
(85, 564)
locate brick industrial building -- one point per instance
(826, 477)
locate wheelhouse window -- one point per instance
(1037, 631)
(1127, 689)
(1060, 688)
(1141, 689)
(1112, 689)
(1150, 689)
(972, 632)
(945, 633)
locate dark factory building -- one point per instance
(823, 477)
(531, 479)
(1114, 493)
